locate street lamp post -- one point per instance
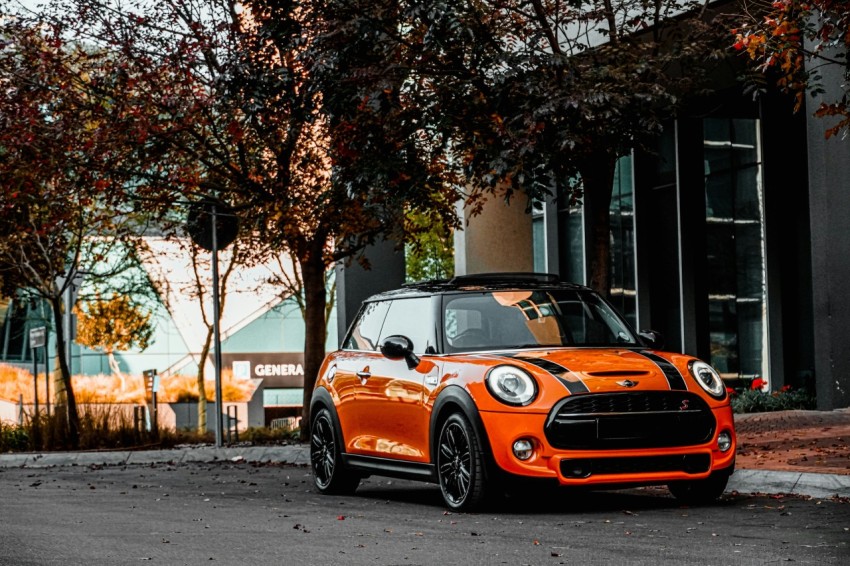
(216, 332)
(213, 226)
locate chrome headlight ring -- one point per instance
(708, 379)
(511, 385)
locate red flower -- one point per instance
(757, 383)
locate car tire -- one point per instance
(329, 474)
(700, 492)
(460, 464)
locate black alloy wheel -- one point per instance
(329, 475)
(460, 465)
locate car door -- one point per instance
(353, 366)
(391, 409)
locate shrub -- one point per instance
(758, 401)
(13, 438)
(182, 388)
(15, 382)
(264, 435)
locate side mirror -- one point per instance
(652, 339)
(398, 347)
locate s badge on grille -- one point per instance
(684, 405)
(627, 383)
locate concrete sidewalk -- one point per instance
(793, 452)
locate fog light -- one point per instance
(523, 449)
(577, 469)
(724, 441)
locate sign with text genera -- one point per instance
(276, 369)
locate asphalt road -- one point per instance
(246, 514)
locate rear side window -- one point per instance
(412, 318)
(366, 331)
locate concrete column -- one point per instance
(496, 240)
(829, 209)
(552, 236)
(354, 283)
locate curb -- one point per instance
(793, 483)
(742, 481)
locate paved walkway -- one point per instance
(788, 452)
(804, 452)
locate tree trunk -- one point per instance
(72, 417)
(315, 328)
(598, 180)
(202, 389)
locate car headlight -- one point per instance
(511, 385)
(708, 378)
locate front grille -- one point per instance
(633, 419)
(578, 468)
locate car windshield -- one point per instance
(496, 320)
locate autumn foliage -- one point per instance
(61, 169)
(794, 42)
(113, 325)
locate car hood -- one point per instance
(593, 370)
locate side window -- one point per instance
(412, 318)
(464, 321)
(367, 329)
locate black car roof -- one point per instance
(480, 282)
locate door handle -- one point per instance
(365, 374)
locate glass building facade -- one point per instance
(572, 264)
(735, 246)
(688, 243)
(17, 318)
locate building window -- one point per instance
(571, 240)
(571, 227)
(735, 275)
(14, 331)
(283, 397)
(623, 287)
(538, 236)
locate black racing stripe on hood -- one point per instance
(556, 370)
(674, 378)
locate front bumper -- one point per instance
(605, 466)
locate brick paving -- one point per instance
(795, 441)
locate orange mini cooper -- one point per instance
(481, 378)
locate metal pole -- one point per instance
(35, 377)
(36, 434)
(216, 335)
(154, 418)
(68, 307)
(47, 374)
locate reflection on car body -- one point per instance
(482, 378)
